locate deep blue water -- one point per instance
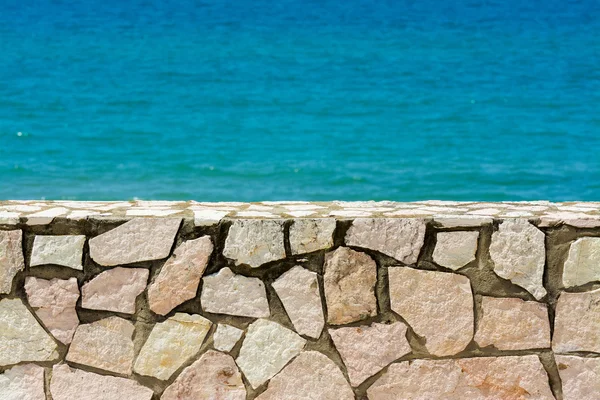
(300, 99)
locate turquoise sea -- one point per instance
(300, 99)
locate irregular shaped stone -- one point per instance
(105, 344)
(482, 378)
(226, 337)
(349, 281)
(367, 350)
(576, 322)
(66, 251)
(580, 377)
(140, 239)
(400, 238)
(309, 376)
(208, 217)
(212, 376)
(583, 264)
(519, 254)
(22, 338)
(437, 305)
(11, 258)
(228, 293)
(513, 324)
(179, 278)
(69, 384)
(308, 235)
(298, 290)
(454, 250)
(255, 241)
(170, 344)
(54, 301)
(267, 348)
(23, 382)
(115, 290)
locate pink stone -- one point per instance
(115, 290)
(23, 382)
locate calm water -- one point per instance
(300, 99)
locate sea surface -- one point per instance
(300, 99)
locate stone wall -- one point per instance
(297, 300)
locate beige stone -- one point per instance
(437, 305)
(583, 264)
(366, 350)
(213, 376)
(226, 337)
(267, 348)
(349, 281)
(23, 382)
(482, 378)
(115, 290)
(308, 235)
(576, 322)
(170, 344)
(513, 324)
(298, 290)
(66, 251)
(255, 241)
(21, 337)
(71, 384)
(309, 376)
(140, 239)
(400, 238)
(228, 293)
(105, 344)
(11, 258)
(580, 377)
(454, 250)
(208, 217)
(519, 255)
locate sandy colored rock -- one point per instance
(170, 344)
(115, 290)
(583, 263)
(454, 250)
(437, 305)
(349, 282)
(267, 348)
(400, 238)
(212, 376)
(309, 376)
(298, 290)
(226, 337)
(140, 239)
(513, 324)
(179, 278)
(22, 338)
(519, 255)
(66, 251)
(367, 350)
(70, 384)
(308, 235)
(255, 241)
(228, 293)
(576, 322)
(23, 382)
(105, 344)
(483, 378)
(580, 377)
(11, 258)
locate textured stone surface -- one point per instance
(179, 278)
(105, 344)
(115, 290)
(583, 263)
(21, 336)
(484, 378)
(140, 239)
(298, 290)
(170, 344)
(437, 305)
(513, 324)
(23, 382)
(308, 235)
(366, 350)
(400, 238)
(226, 337)
(309, 376)
(454, 250)
(580, 377)
(66, 251)
(576, 322)
(11, 258)
(349, 281)
(518, 253)
(267, 348)
(228, 293)
(54, 301)
(70, 384)
(212, 376)
(255, 242)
